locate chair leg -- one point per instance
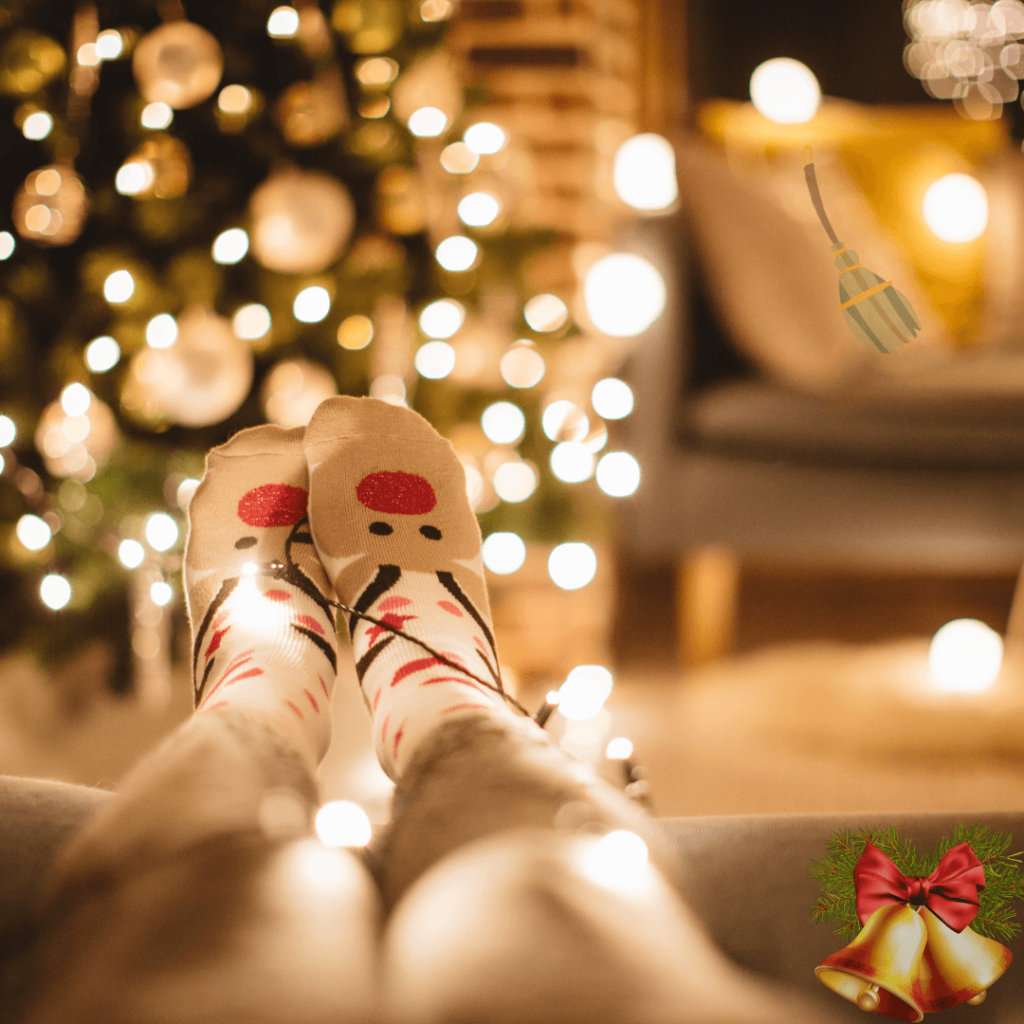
(707, 587)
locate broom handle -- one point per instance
(812, 187)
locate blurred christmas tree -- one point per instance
(220, 217)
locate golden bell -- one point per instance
(878, 970)
(957, 968)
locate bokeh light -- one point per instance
(131, 553)
(37, 125)
(235, 99)
(377, 71)
(618, 474)
(54, 591)
(457, 253)
(545, 313)
(442, 319)
(458, 158)
(251, 322)
(355, 332)
(343, 823)
(312, 304)
(230, 246)
(102, 354)
(618, 861)
(75, 399)
(584, 692)
(435, 359)
(33, 532)
(8, 431)
(619, 749)
(428, 122)
(572, 462)
(283, 22)
(522, 366)
(572, 565)
(624, 295)
(185, 492)
(514, 481)
(161, 531)
(134, 177)
(564, 421)
(503, 422)
(119, 287)
(504, 553)
(156, 115)
(109, 44)
(162, 331)
(478, 209)
(965, 656)
(612, 398)
(484, 138)
(161, 593)
(644, 172)
(6, 245)
(955, 208)
(785, 91)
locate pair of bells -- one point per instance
(905, 962)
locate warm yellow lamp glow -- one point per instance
(644, 173)
(785, 91)
(624, 294)
(955, 208)
(965, 656)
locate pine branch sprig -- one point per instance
(1004, 875)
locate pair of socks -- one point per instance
(366, 508)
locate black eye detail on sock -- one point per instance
(431, 532)
(381, 529)
(245, 542)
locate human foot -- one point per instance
(263, 630)
(392, 525)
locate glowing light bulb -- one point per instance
(131, 553)
(619, 749)
(428, 122)
(312, 304)
(545, 313)
(54, 591)
(161, 531)
(965, 656)
(435, 359)
(484, 138)
(522, 366)
(6, 245)
(109, 44)
(162, 331)
(355, 332)
(618, 474)
(785, 91)
(230, 246)
(503, 422)
(102, 354)
(33, 532)
(955, 208)
(504, 553)
(8, 431)
(612, 398)
(119, 287)
(134, 177)
(442, 319)
(618, 861)
(161, 593)
(251, 322)
(514, 481)
(479, 209)
(584, 692)
(343, 823)
(644, 173)
(572, 462)
(156, 115)
(234, 99)
(456, 253)
(87, 55)
(283, 22)
(37, 126)
(624, 295)
(75, 399)
(572, 566)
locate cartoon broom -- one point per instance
(878, 314)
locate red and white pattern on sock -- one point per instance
(267, 630)
(408, 689)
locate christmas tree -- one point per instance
(220, 217)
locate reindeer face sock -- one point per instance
(393, 527)
(263, 632)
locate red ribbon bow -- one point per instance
(950, 892)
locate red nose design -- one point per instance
(403, 494)
(272, 505)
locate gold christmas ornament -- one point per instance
(301, 221)
(179, 64)
(958, 964)
(879, 969)
(200, 379)
(51, 207)
(76, 434)
(28, 61)
(293, 389)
